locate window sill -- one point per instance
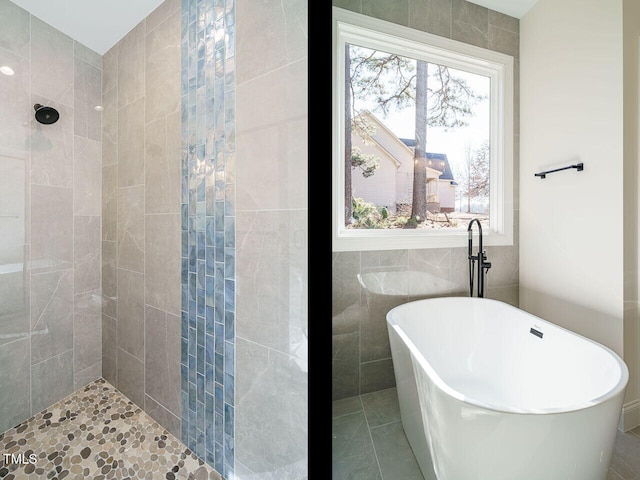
(366, 240)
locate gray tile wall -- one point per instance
(141, 244)
(361, 354)
(271, 227)
(50, 209)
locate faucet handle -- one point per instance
(486, 265)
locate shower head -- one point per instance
(46, 115)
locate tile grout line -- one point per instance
(375, 453)
(30, 232)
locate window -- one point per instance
(422, 138)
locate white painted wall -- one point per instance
(571, 223)
(631, 54)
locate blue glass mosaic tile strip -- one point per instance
(208, 230)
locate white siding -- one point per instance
(405, 179)
(380, 188)
(447, 194)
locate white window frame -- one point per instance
(354, 28)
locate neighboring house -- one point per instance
(392, 182)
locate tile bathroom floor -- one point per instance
(369, 442)
(97, 433)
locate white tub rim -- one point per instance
(442, 385)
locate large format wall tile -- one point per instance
(131, 228)
(272, 99)
(15, 100)
(88, 375)
(162, 166)
(272, 387)
(271, 34)
(51, 228)
(162, 262)
(504, 266)
(131, 312)
(271, 284)
(87, 247)
(285, 145)
(110, 202)
(87, 330)
(52, 147)
(14, 378)
(131, 144)
(51, 314)
(130, 377)
(376, 375)
(345, 365)
(14, 29)
(109, 349)
(161, 13)
(87, 175)
(87, 95)
(109, 279)
(88, 56)
(51, 63)
(51, 380)
(15, 292)
(161, 415)
(14, 205)
(162, 359)
(345, 289)
(131, 66)
(271, 229)
(504, 41)
(505, 22)
(433, 16)
(374, 336)
(162, 69)
(110, 71)
(110, 126)
(469, 23)
(396, 11)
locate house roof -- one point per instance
(437, 158)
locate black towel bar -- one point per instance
(578, 166)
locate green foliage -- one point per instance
(411, 222)
(366, 163)
(365, 214)
(368, 215)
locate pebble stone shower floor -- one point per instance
(96, 433)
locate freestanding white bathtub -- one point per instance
(490, 392)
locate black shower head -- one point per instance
(46, 115)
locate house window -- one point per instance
(422, 138)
